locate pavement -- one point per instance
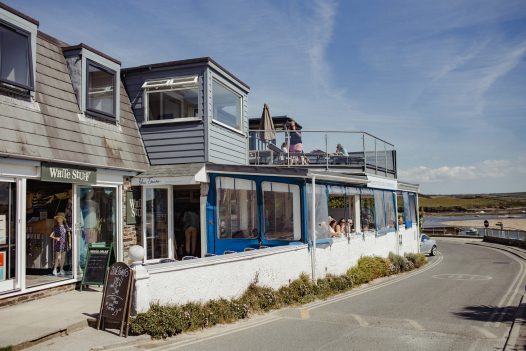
(45, 321)
(65, 321)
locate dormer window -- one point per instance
(15, 57)
(171, 99)
(100, 98)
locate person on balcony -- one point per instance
(296, 144)
(341, 151)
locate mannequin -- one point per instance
(60, 234)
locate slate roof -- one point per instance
(52, 128)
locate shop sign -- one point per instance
(133, 206)
(68, 174)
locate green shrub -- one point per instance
(400, 263)
(260, 298)
(417, 259)
(299, 291)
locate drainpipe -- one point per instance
(313, 230)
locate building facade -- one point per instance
(68, 141)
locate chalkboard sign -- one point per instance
(116, 299)
(97, 262)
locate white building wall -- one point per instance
(228, 276)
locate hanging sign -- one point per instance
(51, 172)
(116, 298)
(133, 206)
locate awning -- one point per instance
(181, 174)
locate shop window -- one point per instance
(367, 212)
(282, 216)
(385, 211)
(236, 208)
(226, 105)
(97, 218)
(100, 91)
(341, 207)
(156, 223)
(15, 57)
(8, 242)
(171, 99)
(321, 210)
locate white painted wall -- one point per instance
(228, 276)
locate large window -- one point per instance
(100, 90)
(171, 99)
(97, 218)
(237, 208)
(367, 211)
(341, 207)
(385, 211)
(281, 203)
(15, 57)
(156, 223)
(226, 105)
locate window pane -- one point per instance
(181, 103)
(226, 106)
(281, 203)
(97, 218)
(236, 208)
(14, 57)
(156, 223)
(390, 213)
(321, 211)
(367, 213)
(101, 90)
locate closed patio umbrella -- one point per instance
(266, 125)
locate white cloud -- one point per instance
(487, 169)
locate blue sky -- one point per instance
(445, 81)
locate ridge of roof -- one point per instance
(19, 14)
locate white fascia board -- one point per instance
(381, 183)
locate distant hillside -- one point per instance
(469, 203)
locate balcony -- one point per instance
(360, 152)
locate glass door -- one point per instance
(96, 220)
(8, 242)
(157, 214)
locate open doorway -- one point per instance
(48, 232)
(187, 229)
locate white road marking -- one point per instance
(219, 334)
(497, 316)
(360, 320)
(485, 332)
(415, 324)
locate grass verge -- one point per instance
(165, 321)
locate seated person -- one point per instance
(343, 226)
(334, 228)
(341, 151)
(350, 225)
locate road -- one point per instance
(464, 299)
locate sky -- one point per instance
(444, 81)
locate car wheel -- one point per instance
(433, 251)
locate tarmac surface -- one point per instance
(466, 298)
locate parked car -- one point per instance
(428, 245)
(469, 231)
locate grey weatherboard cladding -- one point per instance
(53, 128)
(195, 141)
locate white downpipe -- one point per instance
(313, 229)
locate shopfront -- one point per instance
(63, 208)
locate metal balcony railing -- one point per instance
(359, 151)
